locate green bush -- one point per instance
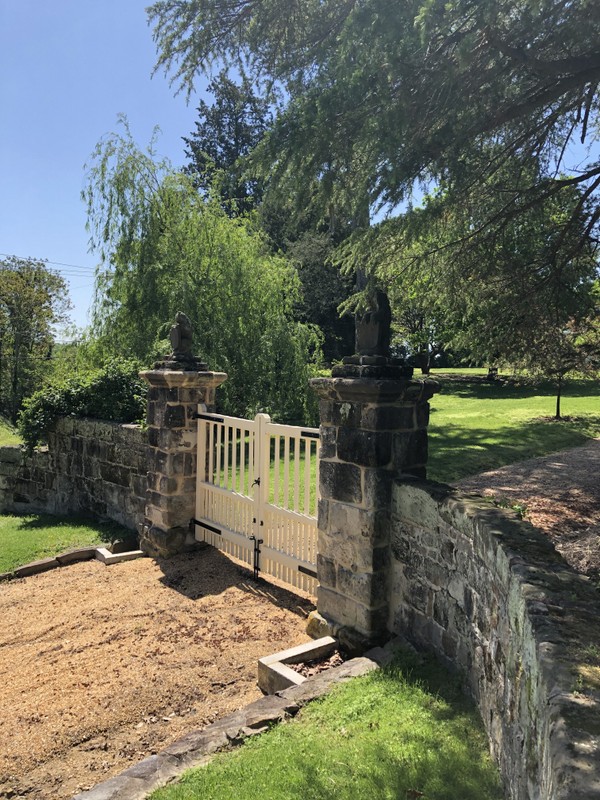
(113, 392)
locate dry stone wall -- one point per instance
(488, 593)
(89, 467)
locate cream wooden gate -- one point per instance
(257, 494)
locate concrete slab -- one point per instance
(273, 673)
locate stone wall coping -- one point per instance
(368, 390)
(84, 426)
(561, 609)
(173, 379)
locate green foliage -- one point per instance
(166, 249)
(492, 108)
(25, 539)
(114, 392)
(32, 300)
(324, 290)
(224, 134)
(388, 734)
(381, 97)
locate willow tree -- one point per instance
(164, 249)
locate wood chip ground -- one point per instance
(560, 494)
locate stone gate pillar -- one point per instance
(177, 385)
(374, 421)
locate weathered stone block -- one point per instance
(167, 485)
(367, 588)
(351, 552)
(347, 415)
(115, 474)
(365, 448)
(174, 416)
(344, 611)
(409, 450)
(327, 442)
(326, 571)
(377, 487)
(161, 543)
(389, 417)
(340, 482)
(368, 527)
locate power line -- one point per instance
(46, 261)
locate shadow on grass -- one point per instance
(458, 452)
(108, 530)
(517, 390)
(404, 732)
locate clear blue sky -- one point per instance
(67, 68)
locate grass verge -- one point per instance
(8, 434)
(25, 539)
(405, 732)
(478, 426)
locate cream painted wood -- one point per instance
(258, 482)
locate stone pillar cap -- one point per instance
(172, 378)
(365, 389)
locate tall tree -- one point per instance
(225, 133)
(165, 249)
(33, 299)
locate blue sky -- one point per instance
(67, 69)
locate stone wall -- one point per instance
(488, 593)
(89, 467)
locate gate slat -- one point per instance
(244, 489)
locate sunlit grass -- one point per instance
(479, 426)
(8, 435)
(402, 732)
(29, 538)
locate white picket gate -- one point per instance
(257, 494)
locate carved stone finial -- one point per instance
(182, 357)
(373, 329)
(181, 335)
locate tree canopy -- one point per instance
(33, 299)
(489, 109)
(225, 132)
(379, 96)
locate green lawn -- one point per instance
(25, 539)
(403, 732)
(8, 435)
(479, 426)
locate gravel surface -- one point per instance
(103, 666)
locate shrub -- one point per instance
(113, 392)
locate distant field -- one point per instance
(477, 426)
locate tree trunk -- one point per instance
(558, 394)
